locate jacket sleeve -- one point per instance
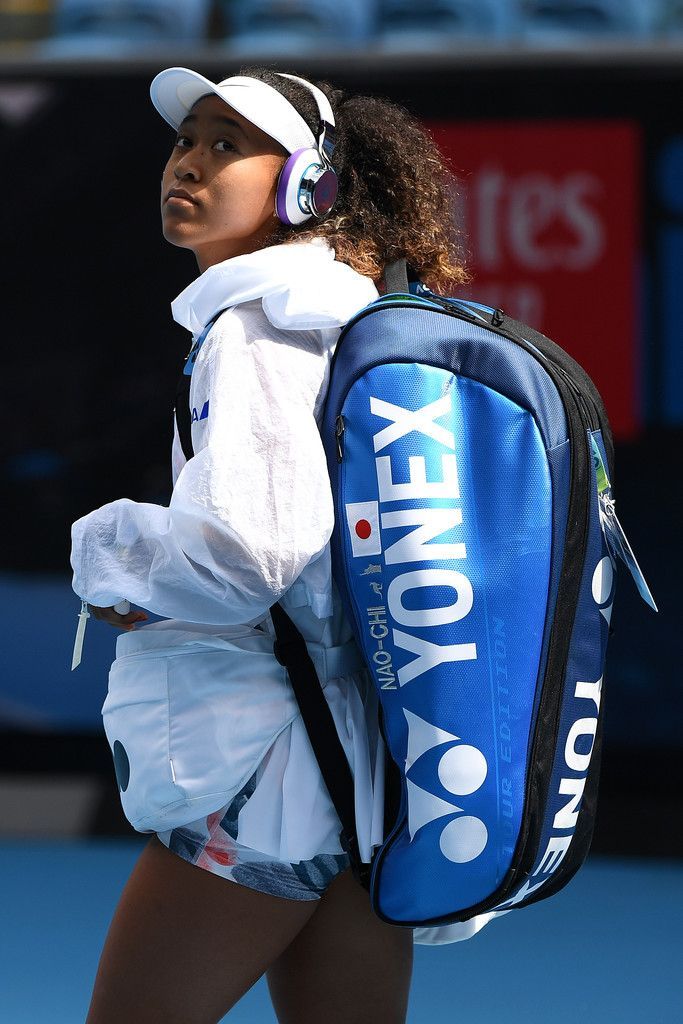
(249, 511)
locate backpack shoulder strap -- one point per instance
(182, 395)
(291, 651)
(182, 415)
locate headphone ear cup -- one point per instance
(287, 206)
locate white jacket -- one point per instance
(249, 520)
(251, 514)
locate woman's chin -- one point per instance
(175, 235)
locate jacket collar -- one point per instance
(301, 284)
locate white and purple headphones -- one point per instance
(308, 185)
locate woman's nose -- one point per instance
(188, 166)
(185, 172)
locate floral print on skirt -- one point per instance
(212, 844)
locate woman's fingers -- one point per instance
(132, 617)
(113, 618)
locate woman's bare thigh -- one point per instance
(184, 945)
(345, 966)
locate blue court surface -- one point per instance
(606, 950)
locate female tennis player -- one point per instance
(293, 198)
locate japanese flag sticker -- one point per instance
(362, 518)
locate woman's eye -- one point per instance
(223, 145)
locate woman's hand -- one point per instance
(116, 620)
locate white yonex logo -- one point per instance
(365, 521)
(602, 586)
(462, 770)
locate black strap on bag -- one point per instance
(290, 650)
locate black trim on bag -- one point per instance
(585, 825)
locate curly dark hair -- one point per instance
(397, 196)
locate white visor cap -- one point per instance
(175, 91)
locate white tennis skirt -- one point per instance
(200, 717)
(280, 833)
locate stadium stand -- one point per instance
(105, 28)
(279, 26)
(94, 26)
(587, 17)
(670, 17)
(24, 21)
(405, 23)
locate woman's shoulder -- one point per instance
(245, 354)
(316, 290)
(299, 286)
(248, 324)
(244, 344)
(306, 298)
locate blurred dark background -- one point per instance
(564, 122)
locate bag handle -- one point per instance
(396, 276)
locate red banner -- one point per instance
(551, 217)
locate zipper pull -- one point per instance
(618, 544)
(339, 434)
(83, 617)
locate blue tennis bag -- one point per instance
(475, 552)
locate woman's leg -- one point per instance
(184, 945)
(345, 966)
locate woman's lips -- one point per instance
(180, 197)
(180, 201)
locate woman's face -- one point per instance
(229, 168)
